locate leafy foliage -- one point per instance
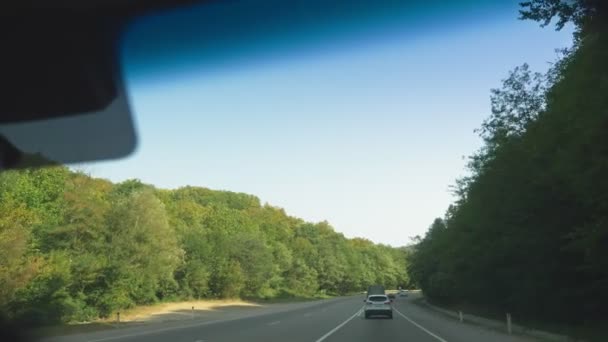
(587, 15)
(73, 248)
(528, 233)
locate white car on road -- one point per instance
(378, 305)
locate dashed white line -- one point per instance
(339, 326)
(274, 323)
(420, 326)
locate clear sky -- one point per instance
(367, 137)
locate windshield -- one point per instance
(377, 299)
(292, 158)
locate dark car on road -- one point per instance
(375, 290)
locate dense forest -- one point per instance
(74, 248)
(528, 233)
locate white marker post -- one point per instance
(118, 317)
(509, 329)
(460, 316)
(193, 312)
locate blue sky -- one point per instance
(368, 136)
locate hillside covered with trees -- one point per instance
(74, 248)
(528, 233)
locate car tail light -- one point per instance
(388, 301)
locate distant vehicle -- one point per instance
(378, 305)
(375, 290)
(403, 293)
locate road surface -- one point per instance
(334, 320)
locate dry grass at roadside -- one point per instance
(163, 312)
(145, 313)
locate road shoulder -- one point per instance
(495, 324)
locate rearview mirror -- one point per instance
(58, 67)
(100, 135)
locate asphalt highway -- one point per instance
(332, 320)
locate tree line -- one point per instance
(74, 248)
(528, 232)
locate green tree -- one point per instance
(142, 252)
(525, 231)
(73, 248)
(587, 15)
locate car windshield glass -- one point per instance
(299, 162)
(378, 298)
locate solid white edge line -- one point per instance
(420, 326)
(322, 338)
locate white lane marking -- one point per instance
(156, 331)
(420, 326)
(274, 323)
(339, 326)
